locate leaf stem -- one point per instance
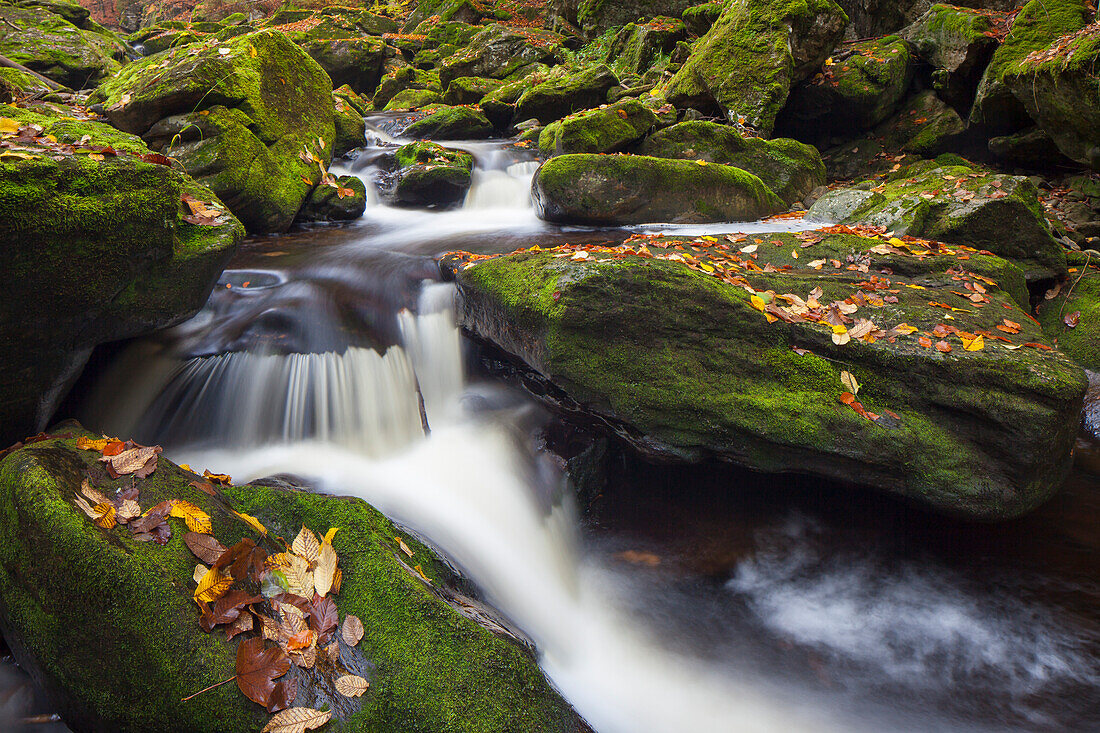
(207, 689)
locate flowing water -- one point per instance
(689, 600)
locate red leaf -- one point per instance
(323, 617)
(1072, 319)
(257, 668)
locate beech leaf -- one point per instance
(196, 519)
(257, 667)
(351, 685)
(850, 382)
(306, 545)
(204, 547)
(352, 630)
(297, 720)
(325, 571)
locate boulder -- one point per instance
(165, 38)
(1036, 27)
(1031, 147)
(245, 116)
(107, 624)
(607, 129)
(865, 84)
(405, 79)
(469, 89)
(356, 62)
(789, 168)
(98, 247)
(1058, 88)
(351, 129)
(616, 190)
(463, 11)
(499, 51)
(440, 122)
(746, 64)
(54, 47)
(958, 44)
(344, 200)
(872, 18)
(561, 94)
(638, 45)
(594, 18)
(411, 99)
(964, 206)
(690, 351)
(430, 175)
(1072, 317)
(699, 18)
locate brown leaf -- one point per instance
(243, 623)
(1072, 319)
(227, 609)
(351, 685)
(943, 347)
(302, 640)
(140, 461)
(234, 553)
(204, 486)
(325, 571)
(323, 617)
(257, 667)
(352, 630)
(306, 545)
(204, 547)
(297, 720)
(283, 695)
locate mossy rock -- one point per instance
(103, 621)
(1079, 300)
(405, 79)
(962, 205)
(95, 251)
(1061, 93)
(789, 168)
(865, 84)
(499, 51)
(240, 115)
(458, 11)
(556, 97)
(431, 175)
(607, 129)
(345, 201)
(639, 46)
(360, 104)
(55, 48)
(356, 62)
(1038, 24)
(684, 366)
(595, 17)
(746, 64)
(615, 190)
(469, 89)
(450, 123)
(169, 38)
(351, 129)
(411, 99)
(20, 84)
(699, 18)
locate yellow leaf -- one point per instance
(330, 534)
(975, 344)
(404, 548)
(305, 545)
(296, 720)
(325, 572)
(252, 522)
(915, 287)
(299, 577)
(197, 520)
(8, 126)
(850, 382)
(840, 335)
(352, 630)
(896, 242)
(420, 571)
(212, 586)
(351, 685)
(252, 51)
(106, 512)
(757, 302)
(905, 328)
(86, 443)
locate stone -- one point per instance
(440, 122)
(469, 89)
(499, 51)
(54, 47)
(560, 95)
(1032, 147)
(430, 175)
(603, 130)
(327, 204)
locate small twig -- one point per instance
(207, 689)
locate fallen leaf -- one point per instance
(252, 522)
(217, 478)
(305, 545)
(323, 617)
(257, 667)
(196, 519)
(204, 547)
(973, 344)
(352, 630)
(1072, 319)
(297, 720)
(325, 571)
(138, 461)
(212, 586)
(86, 443)
(850, 382)
(351, 685)
(404, 548)
(943, 347)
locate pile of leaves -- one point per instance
(310, 157)
(280, 603)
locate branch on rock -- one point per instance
(5, 61)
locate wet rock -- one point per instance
(789, 168)
(351, 129)
(865, 84)
(958, 205)
(95, 251)
(700, 18)
(244, 116)
(450, 123)
(102, 620)
(56, 48)
(684, 366)
(1032, 147)
(412, 99)
(596, 18)
(614, 190)
(746, 64)
(431, 175)
(638, 45)
(565, 93)
(604, 130)
(469, 89)
(1077, 300)
(404, 80)
(344, 201)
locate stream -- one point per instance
(696, 599)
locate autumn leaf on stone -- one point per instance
(1072, 319)
(243, 623)
(283, 695)
(102, 514)
(299, 577)
(212, 586)
(325, 572)
(257, 667)
(196, 519)
(351, 685)
(252, 522)
(840, 335)
(850, 382)
(352, 630)
(405, 548)
(218, 478)
(323, 617)
(126, 505)
(227, 609)
(86, 443)
(153, 525)
(306, 545)
(977, 343)
(140, 462)
(204, 547)
(297, 720)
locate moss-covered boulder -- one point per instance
(865, 84)
(638, 46)
(1059, 90)
(97, 247)
(958, 44)
(430, 175)
(699, 18)
(690, 352)
(356, 62)
(405, 79)
(746, 64)
(469, 89)
(351, 129)
(594, 17)
(450, 123)
(412, 99)
(54, 47)
(789, 168)
(607, 129)
(245, 116)
(1072, 317)
(499, 51)
(345, 199)
(614, 190)
(564, 93)
(107, 625)
(961, 205)
(1038, 24)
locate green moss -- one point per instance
(562, 94)
(1079, 295)
(450, 123)
(54, 47)
(603, 130)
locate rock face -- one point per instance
(746, 64)
(499, 51)
(613, 190)
(788, 167)
(960, 205)
(684, 365)
(244, 116)
(344, 201)
(602, 130)
(1079, 306)
(450, 123)
(865, 84)
(95, 251)
(431, 175)
(637, 45)
(1058, 89)
(556, 97)
(1036, 26)
(593, 18)
(56, 48)
(107, 625)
